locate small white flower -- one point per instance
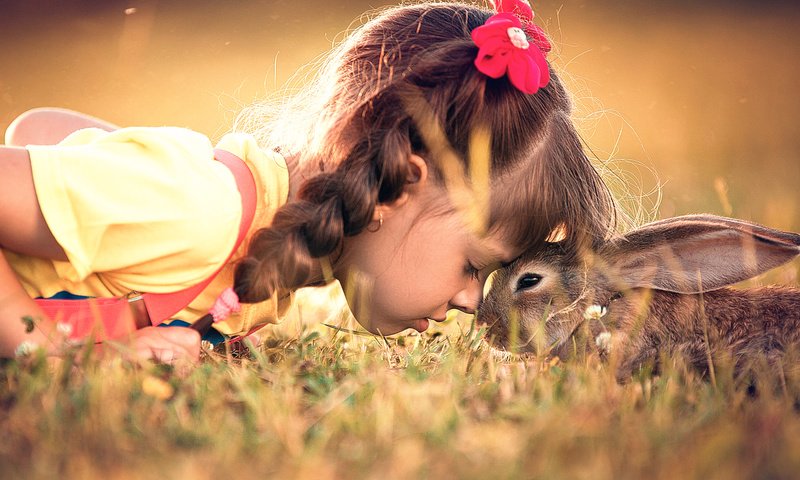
(26, 348)
(501, 355)
(518, 38)
(64, 329)
(595, 312)
(603, 341)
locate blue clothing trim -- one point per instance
(212, 336)
(67, 296)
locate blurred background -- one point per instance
(694, 105)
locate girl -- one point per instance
(435, 145)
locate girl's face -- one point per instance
(420, 263)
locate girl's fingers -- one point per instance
(167, 344)
(186, 338)
(164, 356)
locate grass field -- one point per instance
(337, 405)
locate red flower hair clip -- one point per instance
(503, 47)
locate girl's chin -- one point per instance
(419, 325)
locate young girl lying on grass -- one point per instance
(435, 145)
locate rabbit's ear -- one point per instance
(698, 253)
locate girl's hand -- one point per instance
(165, 344)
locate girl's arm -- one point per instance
(48, 126)
(24, 230)
(15, 306)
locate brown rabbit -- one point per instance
(656, 290)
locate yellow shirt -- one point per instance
(148, 209)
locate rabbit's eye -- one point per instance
(529, 280)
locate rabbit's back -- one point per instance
(756, 319)
(744, 325)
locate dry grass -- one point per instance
(340, 405)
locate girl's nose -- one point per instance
(468, 299)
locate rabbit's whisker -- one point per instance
(568, 309)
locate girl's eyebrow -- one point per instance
(503, 257)
(487, 256)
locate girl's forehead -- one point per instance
(489, 243)
(493, 247)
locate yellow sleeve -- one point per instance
(148, 207)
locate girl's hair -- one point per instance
(352, 126)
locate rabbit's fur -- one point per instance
(660, 289)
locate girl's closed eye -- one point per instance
(471, 270)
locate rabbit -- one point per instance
(657, 290)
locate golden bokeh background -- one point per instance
(699, 98)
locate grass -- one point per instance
(327, 405)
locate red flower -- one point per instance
(503, 48)
(522, 9)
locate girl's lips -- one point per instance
(421, 325)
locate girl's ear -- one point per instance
(697, 253)
(417, 179)
(417, 169)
